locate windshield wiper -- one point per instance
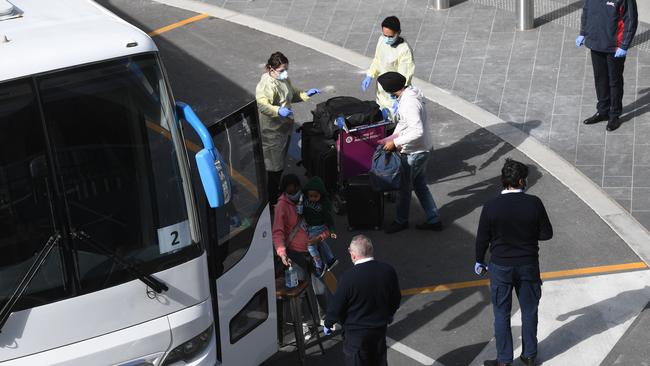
(42, 255)
(155, 284)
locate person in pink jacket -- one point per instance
(290, 238)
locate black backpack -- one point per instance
(356, 113)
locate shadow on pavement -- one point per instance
(637, 108)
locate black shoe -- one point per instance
(396, 227)
(495, 363)
(527, 361)
(437, 226)
(595, 119)
(613, 124)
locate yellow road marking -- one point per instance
(545, 275)
(167, 28)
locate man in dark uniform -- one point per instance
(511, 225)
(607, 29)
(366, 299)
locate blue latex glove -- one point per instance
(580, 40)
(284, 111)
(311, 92)
(327, 331)
(480, 268)
(620, 52)
(365, 84)
(395, 104)
(340, 122)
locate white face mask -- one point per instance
(282, 75)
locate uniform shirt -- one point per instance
(609, 24)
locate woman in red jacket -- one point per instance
(290, 238)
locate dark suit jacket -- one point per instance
(367, 297)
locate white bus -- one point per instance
(105, 256)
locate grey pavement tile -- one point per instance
(619, 144)
(471, 66)
(479, 34)
(336, 36)
(517, 89)
(443, 80)
(462, 10)
(488, 104)
(520, 70)
(495, 66)
(505, 26)
(620, 193)
(565, 148)
(590, 155)
(259, 13)
(642, 115)
(357, 41)
(278, 9)
(277, 19)
(541, 130)
(565, 127)
(572, 67)
(618, 164)
(551, 28)
(569, 105)
(543, 88)
(568, 87)
(426, 50)
(641, 199)
(643, 217)
(641, 177)
(515, 115)
(430, 32)
(475, 49)
(466, 86)
(621, 182)
(593, 172)
(642, 155)
(361, 24)
(590, 135)
(423, 69)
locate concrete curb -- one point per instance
(621, 221)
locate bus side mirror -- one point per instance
(212, 169)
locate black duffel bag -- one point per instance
(356, 113)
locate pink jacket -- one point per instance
(285, 218)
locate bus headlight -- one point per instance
(190, 349)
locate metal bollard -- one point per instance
(441, 4)
(525, 14)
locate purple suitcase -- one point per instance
(355, 148)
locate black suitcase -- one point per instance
(364, 206)
(319, 156)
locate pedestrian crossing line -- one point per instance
(181, 23)
(598, 270)
(411, 353)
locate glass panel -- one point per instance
(237, 138)
(109, 124)
(254, 313)
(25, 198)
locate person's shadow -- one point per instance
(590, 321)
(638, 107)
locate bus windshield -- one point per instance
(90, 149)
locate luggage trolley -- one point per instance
(355, 148)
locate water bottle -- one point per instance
(290, 277)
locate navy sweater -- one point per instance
(367, 297)
(511, 225)
(609, 24)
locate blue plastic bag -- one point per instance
(385, 171)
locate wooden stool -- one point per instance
(293, 296)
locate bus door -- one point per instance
(240, 250)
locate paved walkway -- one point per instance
(538, 79)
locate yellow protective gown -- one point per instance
(271, 94)
(389, 58)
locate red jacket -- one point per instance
(284, 220)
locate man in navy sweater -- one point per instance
(366, 299)
(607, 29)
(511, 226)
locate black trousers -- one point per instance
(365, 347)
(273, 185)
(608, 76)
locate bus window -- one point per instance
(237, 138)
(26, 219)
(109, 125)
